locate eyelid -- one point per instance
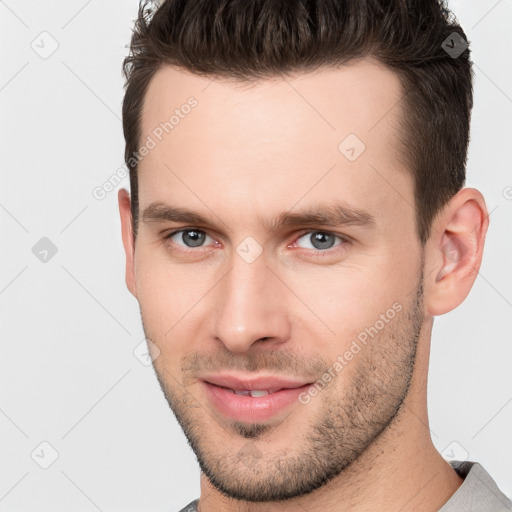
(321, 253)
(310, 252)
(343, 237)
(167, 237)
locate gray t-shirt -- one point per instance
(478, 492)
(191, 507)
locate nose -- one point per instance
(251, 306)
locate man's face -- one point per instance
(245, 296)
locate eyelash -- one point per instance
(315, 253)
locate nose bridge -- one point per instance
(249, 306)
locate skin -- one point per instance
(244, 155)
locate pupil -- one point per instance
(196, 239)
(318, 240)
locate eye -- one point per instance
(322, 241)
(188, 238)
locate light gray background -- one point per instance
(68, 374)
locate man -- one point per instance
(297, 219)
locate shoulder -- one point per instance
(191, 507)
(478, 492)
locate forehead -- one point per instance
(284, 138)
(358, 96)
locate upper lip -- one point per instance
(240, 383)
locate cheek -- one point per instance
(349, 299)
(167, 294)
(334, 304)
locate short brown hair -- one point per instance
(258, 39)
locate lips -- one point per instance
(267, 383)
(248, 399)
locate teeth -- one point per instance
(257, 392)
(253, 392)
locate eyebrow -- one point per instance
(337, 214)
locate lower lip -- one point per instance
(251, 409)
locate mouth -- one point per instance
(252, 405)
(255, 393)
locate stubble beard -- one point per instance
(347, 424)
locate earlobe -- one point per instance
(455, 251)
(127, 236)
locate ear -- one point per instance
(454, 251)
(127, 233)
